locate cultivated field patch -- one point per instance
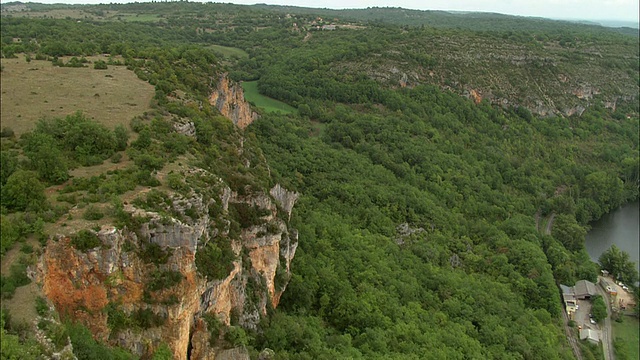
(229, 52)
(252, 95)
(35, 90)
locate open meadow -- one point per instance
(252, 95)
(36, 89)
(629, 332)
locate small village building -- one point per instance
(590, 335)
(569, 301)
(584, 289)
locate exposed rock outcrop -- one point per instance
(228, 98)
(113, 280)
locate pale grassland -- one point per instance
(35, 90)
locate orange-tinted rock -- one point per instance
(228, 98)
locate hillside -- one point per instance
(376, 197)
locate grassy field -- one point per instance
(251, 94)
(629, 332)
(35, 90)
(229, 52)
(53, 14)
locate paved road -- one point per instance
(607, 345)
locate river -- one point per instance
(620, 227)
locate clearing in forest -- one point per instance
(229, 52)
(629, 332)
(252, 95)
(37, 89)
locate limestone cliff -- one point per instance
(142, 286)
(228, 98)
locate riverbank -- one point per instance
(620, 227)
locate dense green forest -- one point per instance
(419, 211)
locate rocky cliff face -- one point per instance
(142, 286)
(229, 99)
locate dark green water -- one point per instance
(619, 227)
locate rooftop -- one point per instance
(584, 287)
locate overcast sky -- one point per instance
(624, 10)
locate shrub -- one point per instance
(213, 325)
(7, 132)
(164, 279)
(236, 336)
(8, 165)
(153, 253)
(116, 157)
(92, 213)
(117, 319)
(215, 260)
(122, 137)
(46, 158)
(148, 162)
(247, 215)
(162, 353)
(175, 182)
(17, 277)
(26, 248)
(146, 318)
(86, 348)
(42, 308)
(100, 65)
(23, 191)
(85, 240)
(9, 233)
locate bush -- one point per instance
(85, 240)
(23, 191)
(148, 162)
(8, 165)
(236, 336)
(46, 157)
(9, 233)
(42, 308)
(86, 348)
(92, 213)
(146, 318)
(7, 132)
(17, 277)
(215, 260)
(213, 325)
(26, 248)
(116, 157)
(598, 309)
(122, 137)
(175, 182)
(88, 141)
(247, 215)
(100, 65)
(164, 279)
(162, 353)
(153, 253)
